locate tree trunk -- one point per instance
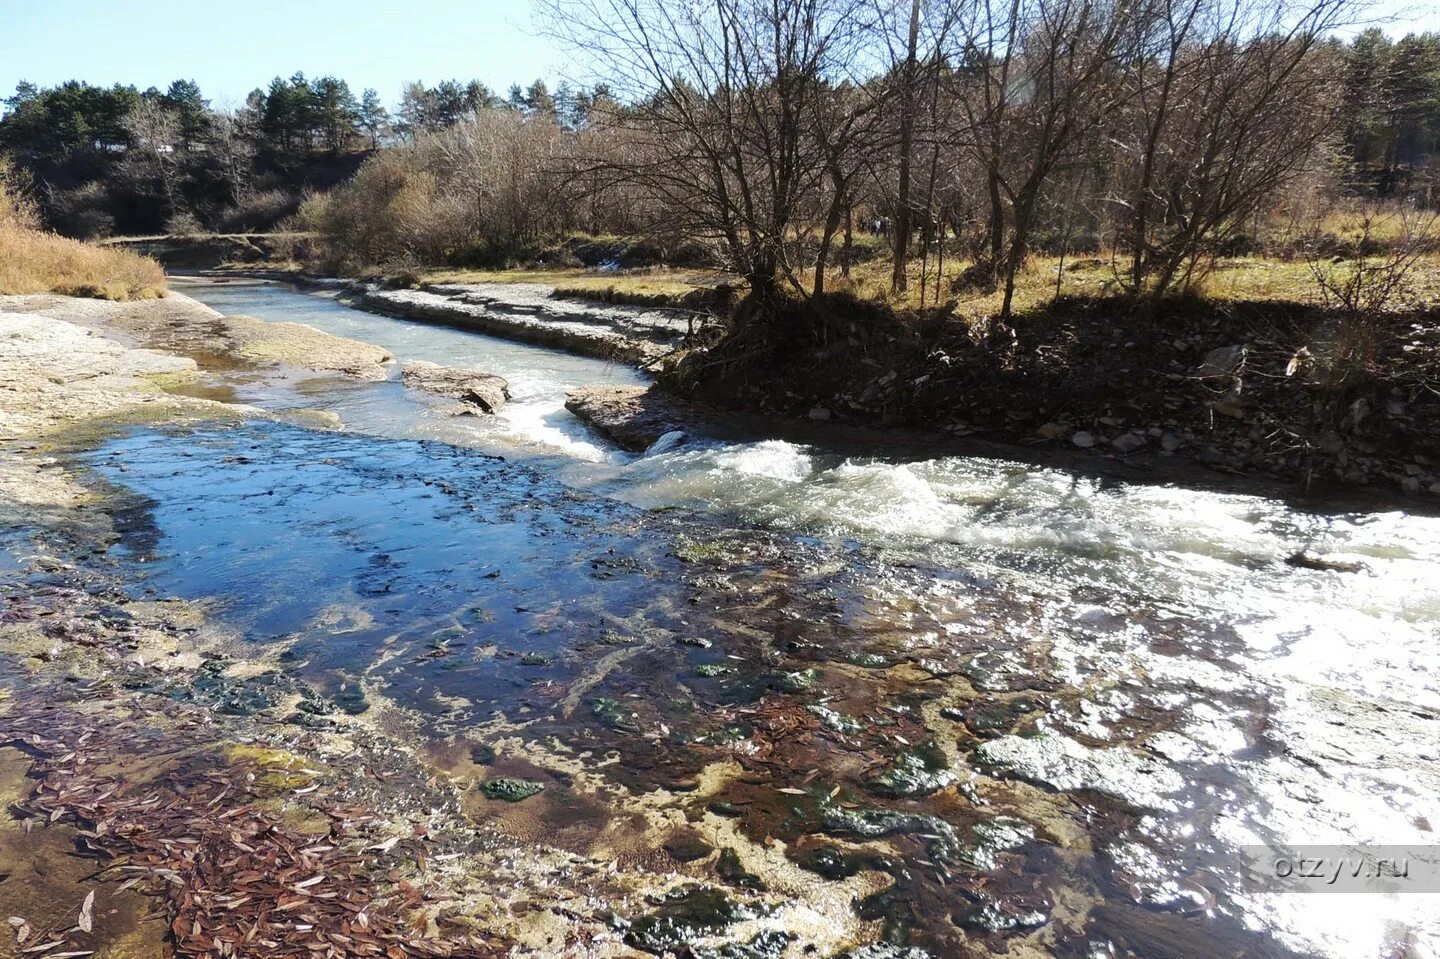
(907, 130)
(997, 216)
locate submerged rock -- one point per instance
(687, 846)
(943, 842)
(1001, 917)
(1304, 560)
(511, 790)
(917, 772)
(832, 862)
(885, 951)
(684, 916)
(483, 390)
(832, 719)
(1066, 765)
(729, 868)
(992, 837)
(769, 944)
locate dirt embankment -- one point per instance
(1283, 392)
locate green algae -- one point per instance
(511, 790)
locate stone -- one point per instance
(1127, 443)
(729, 868)
(511, 790)
(1304, 560)
(1230, 408)
(687, 846)
(819, 413)
(486, 391)
(1051, 431)
(1221, 362)
(1169, 442)
(666, 443)
(1083, 440)
(917, 772)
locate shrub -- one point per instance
(258, 212)
(83, 212)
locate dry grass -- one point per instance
(620, 286)
(33, 261)
(1234, 279)
(1261, 279)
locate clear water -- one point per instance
(1299, 705)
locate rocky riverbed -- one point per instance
(277, 678)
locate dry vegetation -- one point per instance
(35, 261)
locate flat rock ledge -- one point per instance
(485, 391)
(636, 417)
(527, 312)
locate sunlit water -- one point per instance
(1280, 687)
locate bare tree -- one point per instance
(715, 113)
(1232, 99)
(1036, 79)
(154, 131)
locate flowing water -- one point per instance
(1049, 709)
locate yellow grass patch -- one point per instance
(32, 261)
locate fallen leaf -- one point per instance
(86, 922)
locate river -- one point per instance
(1053, 710)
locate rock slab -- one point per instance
(486, 391)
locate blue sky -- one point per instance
(231, 48)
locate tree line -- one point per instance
(1160, 133)
(118, 160)
(766, 137)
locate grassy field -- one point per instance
(649, 285)
(1239, 278)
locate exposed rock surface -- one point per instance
(528, 312)
(635, 417)
(183, 325)
(54, 373)
(471, 387)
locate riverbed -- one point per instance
(959, 705)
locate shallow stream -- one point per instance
(986, 701)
